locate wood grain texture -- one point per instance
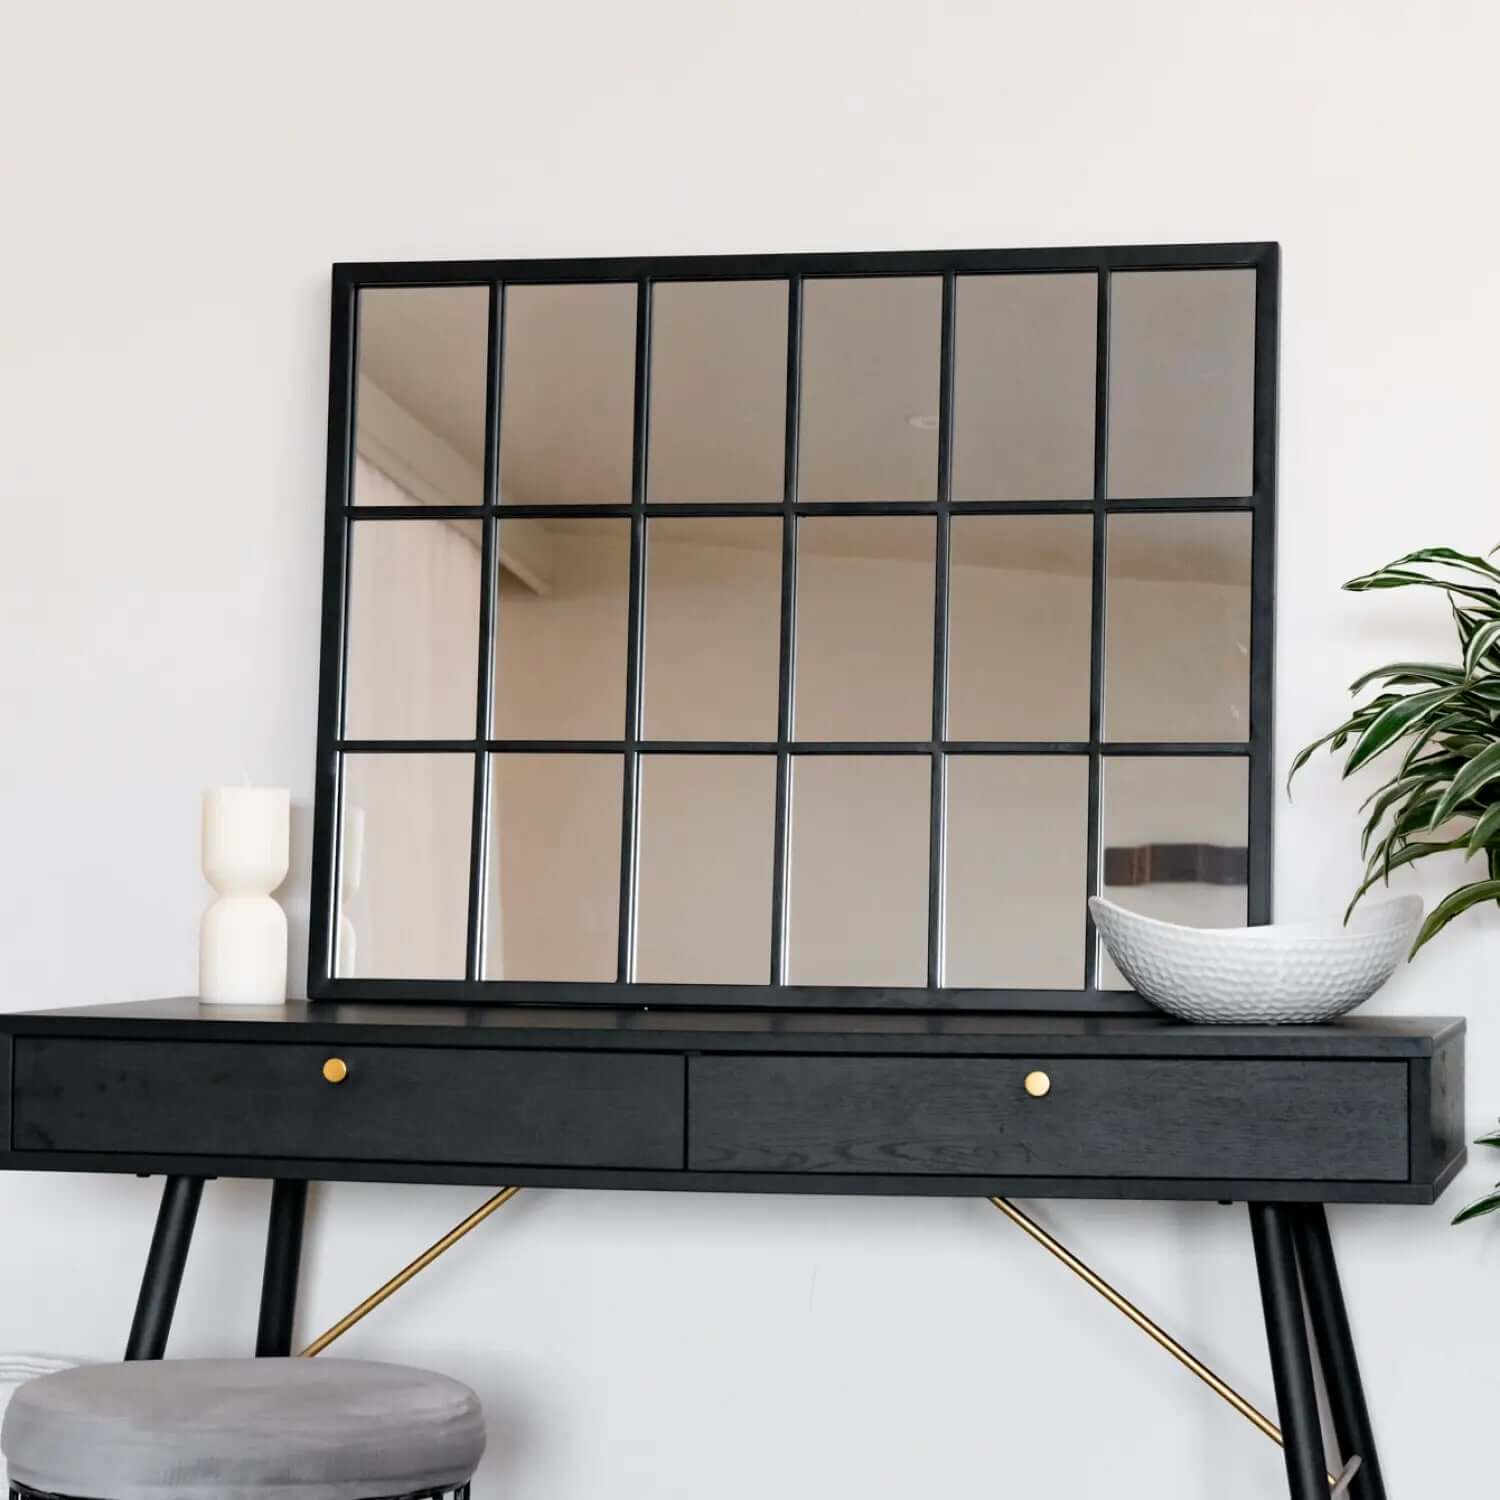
(1268, 1121)
(397, 1104)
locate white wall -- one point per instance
(175, 181)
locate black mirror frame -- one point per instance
(1257, 749)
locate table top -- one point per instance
(607, 1029)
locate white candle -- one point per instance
(242, 948)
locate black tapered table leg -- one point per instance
(278, 1287)
(1330, 1323)
(164, 1262)
(1291, 1358)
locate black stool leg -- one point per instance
(164, 1262)
(1330, 1323)
(278, 1287)
(1291, 1359)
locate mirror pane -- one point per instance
(864, 627)
(1019, 611)
(713, 628)
(404, 866)
(870, 388)
(1025, 349)
(1181, 383)
(567, 403)
(857, 903)
(561, 630)
(1174, 836)
(705, 869)
(554, 875)
(413, 630)
(1017, 857)
(718, 390)
(419, 407)
(1177, 627)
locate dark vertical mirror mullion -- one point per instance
(937, 847)
(635, 637)
(1096, 623)
(1261, 803)
(787, 652)
(489, 572)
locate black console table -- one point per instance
(1283, 1119)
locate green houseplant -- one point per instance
(1439, 724)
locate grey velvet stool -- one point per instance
(242, 1429)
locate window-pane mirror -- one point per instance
(718, 390)
(1181, 383)
(713, 628)
(413, 630)
(707, 825)
(1019, 617)
(857, 901)
(1177, 627)
(561, 631)
(403, 881)
(420, 396)
(1174, 841)
(568, 395)
(554, 867)
(870, 388)
(864, 627)
(781, 631)
(1024, 378)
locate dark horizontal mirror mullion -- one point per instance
(796, 747)
(697, 510)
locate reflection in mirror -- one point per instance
(1023, 387)
(554, 867)
(404, 866)
(560, 637)
(1019, 609)
(870, 388)
(705, 869)
(713, 628)
(1177, 627)
(567, 400)
(718, 390)
(1181, 383)
(413, 631)
(864, 627)
(419, 406)
(857, 903)
(1017, 856)
(1173, 838)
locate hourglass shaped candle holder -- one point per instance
(242, 946)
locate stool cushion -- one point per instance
(242, 1429)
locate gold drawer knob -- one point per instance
(1038, 1085)
(336, 1070)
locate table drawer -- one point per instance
(1164, 1118)
(429, 1104)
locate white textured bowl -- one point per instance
(1289, 971)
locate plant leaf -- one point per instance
(1484, 768)
(1483, 835)
(1454, 905)
(1406, 673)
(1449, 557)
(1388, 578)
(1481, 643)
(1480, 1206)
(1406, 855)
(1391, 723)
(1492, 1139)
